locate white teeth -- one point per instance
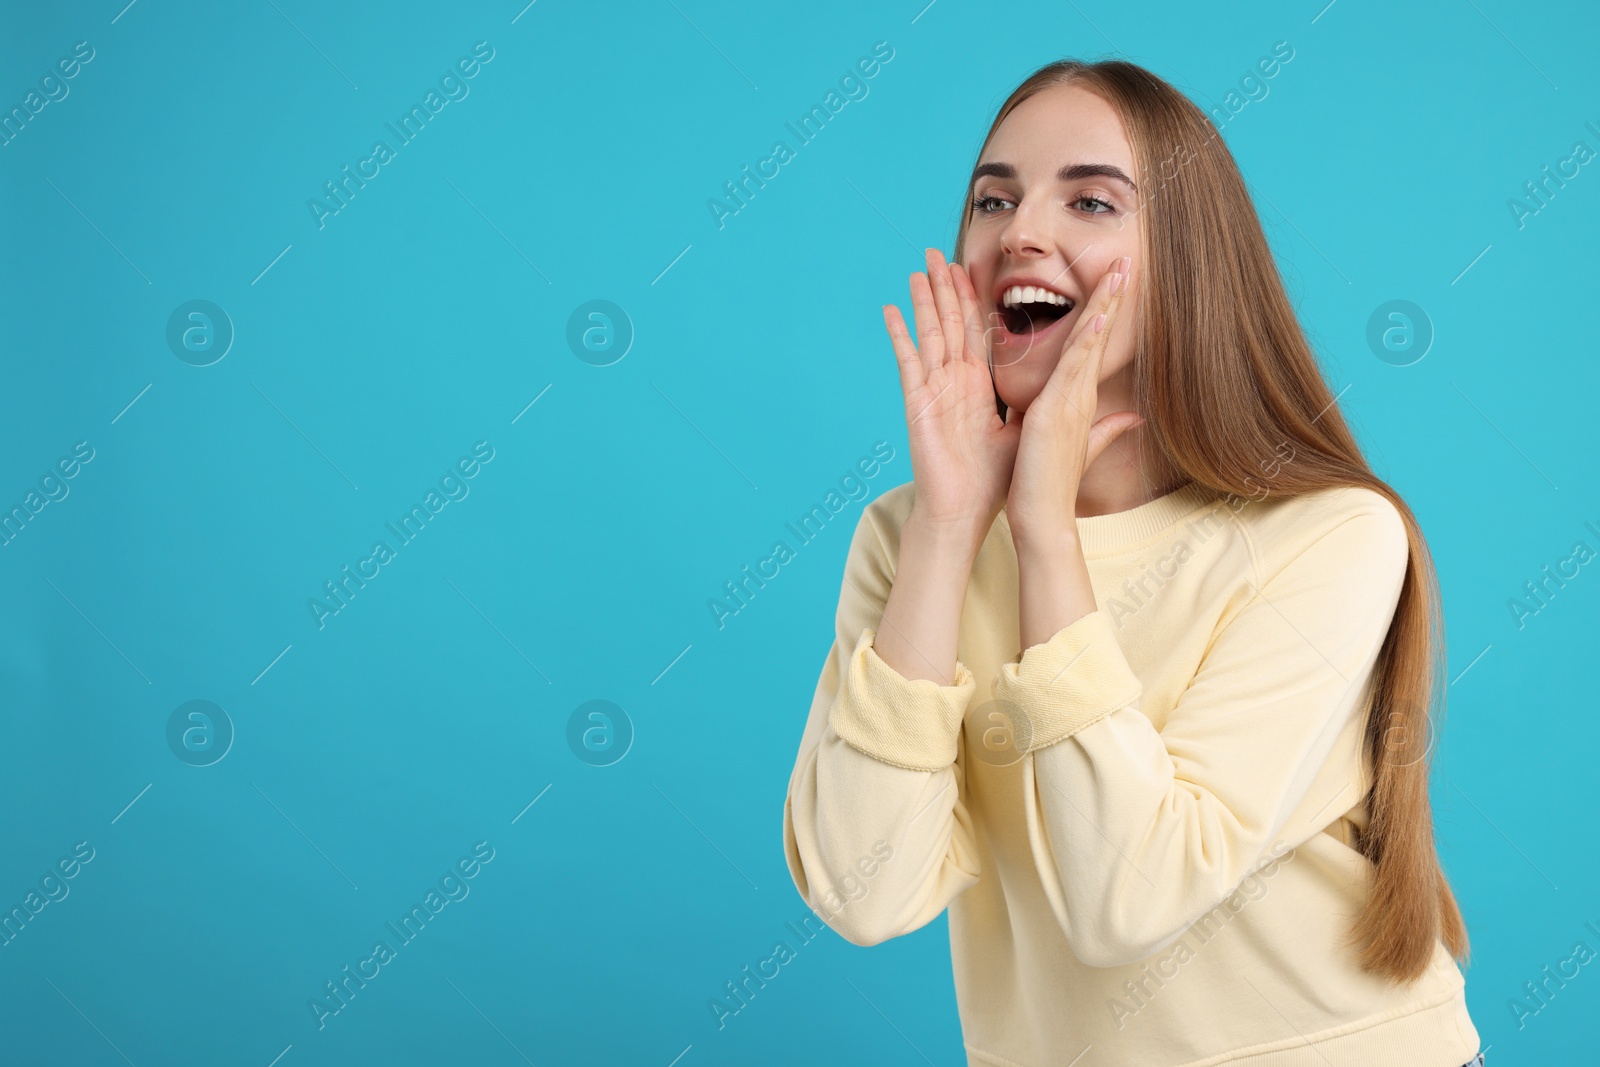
(1031, 294)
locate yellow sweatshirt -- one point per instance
(1144, 828)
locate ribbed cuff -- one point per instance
(1073, 680)
(908, 723)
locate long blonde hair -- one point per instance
(1220, 346)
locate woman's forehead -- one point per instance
(1057, 127)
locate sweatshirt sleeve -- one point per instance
(1137, 833)
(875, 831)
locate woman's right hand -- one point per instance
(962, 452)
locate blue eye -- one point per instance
(979, 202)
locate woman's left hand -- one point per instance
(1059, 435)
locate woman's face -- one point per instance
(1055, 206)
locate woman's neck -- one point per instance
(1127, 473)
(1121, 477)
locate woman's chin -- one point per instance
(1019, 400)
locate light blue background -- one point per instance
(431, 311)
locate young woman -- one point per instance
(1135, 675)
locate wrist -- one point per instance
(959, 535)
(1054, 588)
(1055, 542)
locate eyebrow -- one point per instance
(1068, 173)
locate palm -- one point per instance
(1059, 434)
(1050, 447)
(958, 439)
(961, 450)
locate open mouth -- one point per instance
(1027, 309)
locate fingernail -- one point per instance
(1099, 322)
(1127, 262)
(1119, 283)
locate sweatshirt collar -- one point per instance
(1102, 535)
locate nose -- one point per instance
(1025, 234)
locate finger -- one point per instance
(951, 325)
(1085, 345)
(1108, 301)
(930, 339)
(912, 375)
(1104, 433)
(980, 328)
(1075, 377)
(975, 347)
